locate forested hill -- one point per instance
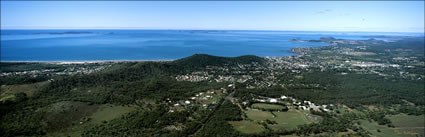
(127, 82)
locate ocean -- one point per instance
(98, 45)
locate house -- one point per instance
(314, 107)
(307, 102)
(230, 85)
(181, 102)
(272, 100)
(283, 97)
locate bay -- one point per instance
(97, 45)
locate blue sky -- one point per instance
(384, 16)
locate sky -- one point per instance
(378, 16)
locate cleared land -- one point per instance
(409, 124)
(385, 131)
(108, 112)
(266, 106)
(248, 127)
(95, 116)
(290, 119)
(285, 120)
(258, 115)
(403, 120)
(7, 91)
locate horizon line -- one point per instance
(209, 30)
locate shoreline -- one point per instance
(292, 50)
(85, 61)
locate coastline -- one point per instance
(294, 50)
(297, 51)
(85, 61)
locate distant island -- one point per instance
(334, 41)
(66, 32)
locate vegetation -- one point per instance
(269, 107)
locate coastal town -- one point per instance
(59, 68)
(345, 59)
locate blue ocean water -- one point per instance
(90, 45)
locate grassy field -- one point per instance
(258, 115)
(65, 114)
(385, 131)
(248, 127)
(97, 115)
(290, 119)
(403, 120)
(285, 120)
(108, 112)
(409, 123)
(7, 91)
(266, 106)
